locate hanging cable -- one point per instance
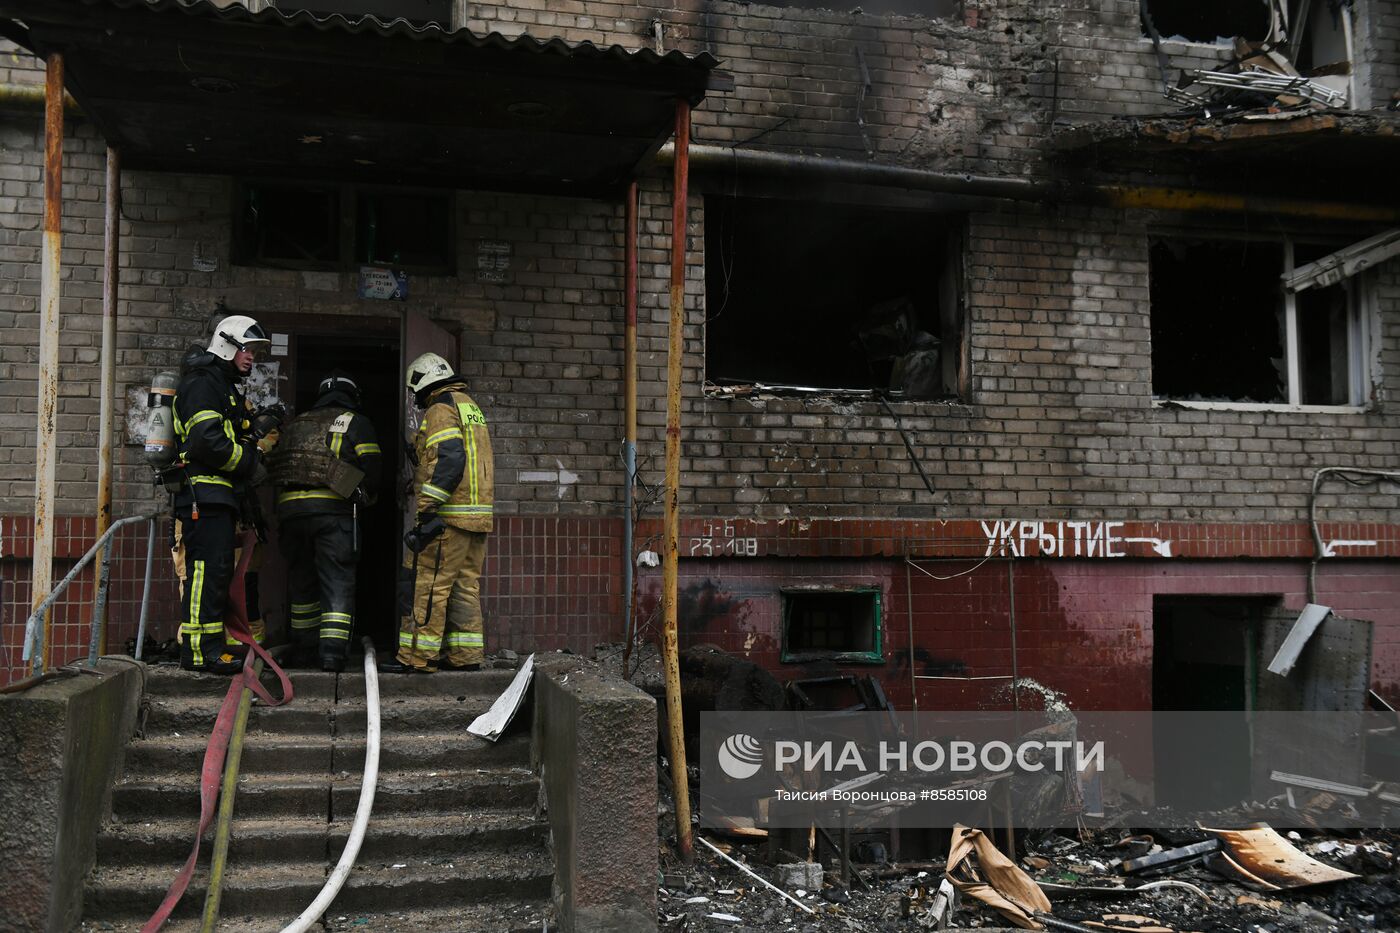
(1356, 477)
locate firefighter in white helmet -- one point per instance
(217, 444)
(440, 624)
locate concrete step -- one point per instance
(490, 683)
(151, 797)
(412, 713)
(275, 753)
(437, 792)
(284, 890)
(195, 715)
(389, 837)
(168, 680)
(513, 916)
(181, 715)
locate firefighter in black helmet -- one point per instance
(326, 465)
(217, 444)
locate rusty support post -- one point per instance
(46, 449)
(670, 648)
(110, 255)
(629, 437)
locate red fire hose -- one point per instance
(236, 624)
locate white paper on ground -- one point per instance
(490, 724)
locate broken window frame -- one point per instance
(346, 217)
(954, 306)
(1361, 335)
(875, 655)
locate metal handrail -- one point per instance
(34, 628)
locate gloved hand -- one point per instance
(421, 535)
(268, 419)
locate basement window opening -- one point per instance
(1208, 20)
(1224, 330)
(832, 299)
(832, 624)
(337, 228)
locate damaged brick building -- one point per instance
(1004, 356)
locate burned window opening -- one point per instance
(296, 226)
(286, 224)
(1217, 331)
(1208, 20)
(1224, 329)
(842, 624)
(403, 229)
(832, 297)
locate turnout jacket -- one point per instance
(455, 476)
(212, 434)
(333, 423)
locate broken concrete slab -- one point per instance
(805, 875)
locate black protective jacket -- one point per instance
(351, 438)
(212, 433)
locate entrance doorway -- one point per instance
(374, 365)
(306, 348)
(1204, 659)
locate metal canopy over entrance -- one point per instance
(183, 85)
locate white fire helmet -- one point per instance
(427, 371)
(238, 332)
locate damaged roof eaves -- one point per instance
(402, 28)
(1261, 124)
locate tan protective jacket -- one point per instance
(455, 476)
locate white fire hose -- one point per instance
(357, 831)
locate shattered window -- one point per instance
(285, 224)
(1225, 330)
(1208, 20)
(403, 229)
(830, 296)
(298, 226)
(841, 623)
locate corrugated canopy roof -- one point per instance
(184, 85)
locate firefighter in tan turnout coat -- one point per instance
(440, 625)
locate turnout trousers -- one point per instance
(440, 603)
(215, 537)
(321, 560)
(204, 562)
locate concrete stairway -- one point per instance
(454, 842)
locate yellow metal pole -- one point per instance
(46, 447)
(110, 256)
(227, 793)
(670, 649)
(629, 434)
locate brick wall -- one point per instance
(1058, 422)
(1082, 628)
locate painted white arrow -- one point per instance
(560, 476)
(1163, 548)
(1329, 548)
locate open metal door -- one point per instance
(419, 335)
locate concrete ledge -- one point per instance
(61, 749)
(594, 740)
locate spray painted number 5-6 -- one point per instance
(720, 540)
